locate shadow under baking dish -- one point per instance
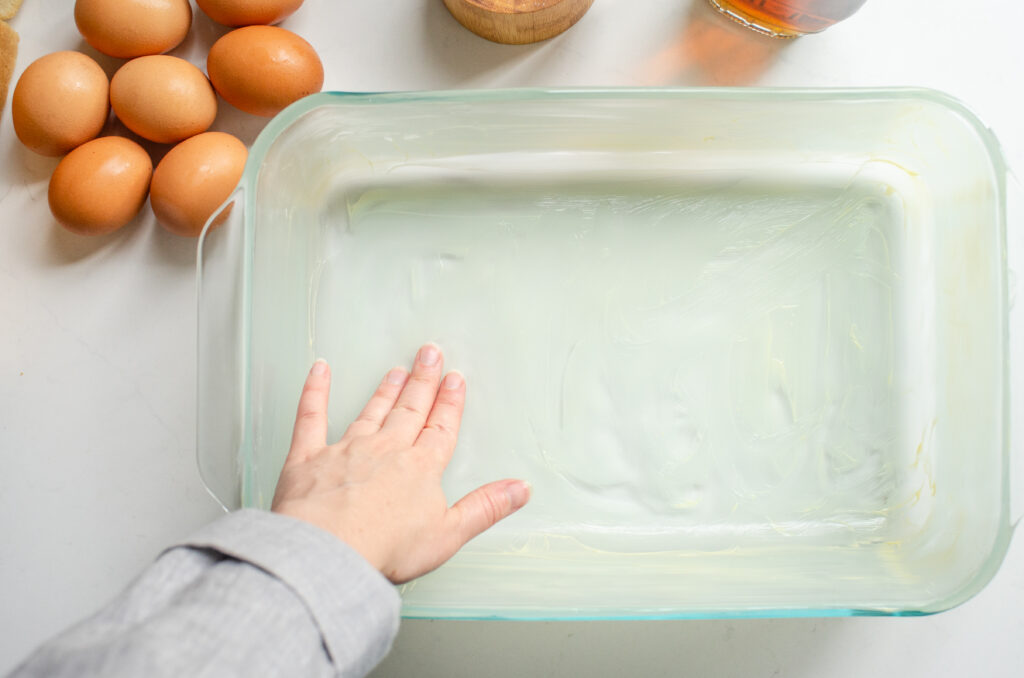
(749, 346)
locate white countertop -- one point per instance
(97, 349)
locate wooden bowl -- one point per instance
(517, 22)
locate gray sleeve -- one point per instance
(252, 594)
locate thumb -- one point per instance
(310, 432)
(484, 506)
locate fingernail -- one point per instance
(397, 376)
(518, 493)
(319, 367)
(453, 381)
(429, 355)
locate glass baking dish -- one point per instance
(750, 346)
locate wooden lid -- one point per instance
(517, 22)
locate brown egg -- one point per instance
(131, 28)
(163, 98)
(60, 102)
(194, 178)
(100, 186)
(262, 69)
(248, 12)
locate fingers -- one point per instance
(442, 428)
(409, 415)
(381, 402)
(310, 432)
(483, 507)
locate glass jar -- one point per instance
(787, 18)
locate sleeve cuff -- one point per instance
(355, 606)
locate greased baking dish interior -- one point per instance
(750, 346)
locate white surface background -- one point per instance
(97, 340)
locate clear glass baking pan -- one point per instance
(751, 347)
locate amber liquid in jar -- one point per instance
(788, 18)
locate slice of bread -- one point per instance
(8, 8)
(8, 55)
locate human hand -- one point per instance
(379, 487)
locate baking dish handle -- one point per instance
(220, 418)
(1015, 266)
